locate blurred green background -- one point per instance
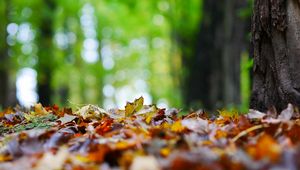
(174, 53)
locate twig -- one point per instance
(245, 132)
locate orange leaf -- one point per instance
(266, 147)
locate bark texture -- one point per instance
(276, 43)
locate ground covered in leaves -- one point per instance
(142, 137)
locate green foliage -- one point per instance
(134, 40)
(246, 12)
(246, 66)
(39, 122)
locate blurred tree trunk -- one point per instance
(203, 83)
(214, 72)
(276, 42)
(45, 54)
(4, 82)
(7, 87)
(235, 42)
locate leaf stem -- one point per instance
(245, 132)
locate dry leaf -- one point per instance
(144, 163)
(91, 112)
(287, 113)
(132, 108)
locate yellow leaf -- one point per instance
(122, 145)
(39, 109)
(231, 114)
(82, 158)
(165, 152)
(148, 113)
(4, 158)
(165, 125)
(177, 126)
(148, 119)
(220, 134)
(28, 117)
(131, 108)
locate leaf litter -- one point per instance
(142, 137)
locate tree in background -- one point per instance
(275, 38)
(185, 17)
(212, 55)
(203, 80)
(236, 27)
(7, 89)
(46, 58)
(4, 85)
(62, 40)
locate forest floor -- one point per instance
(144, 137)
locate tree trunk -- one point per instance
(235, 42)
(214, 70)
(205, 78)
(7, 85)
(276, 43)
(45, 54)
(3, 56)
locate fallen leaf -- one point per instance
(165, 152)
(67, 118)
(52, 161)
(91, 112)
(132, 108)
(39, 109)
(266, 147)
(177, 126)
(4, 158)
(287, 113)
(144, 163)
(197, 125)
(254, 114)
